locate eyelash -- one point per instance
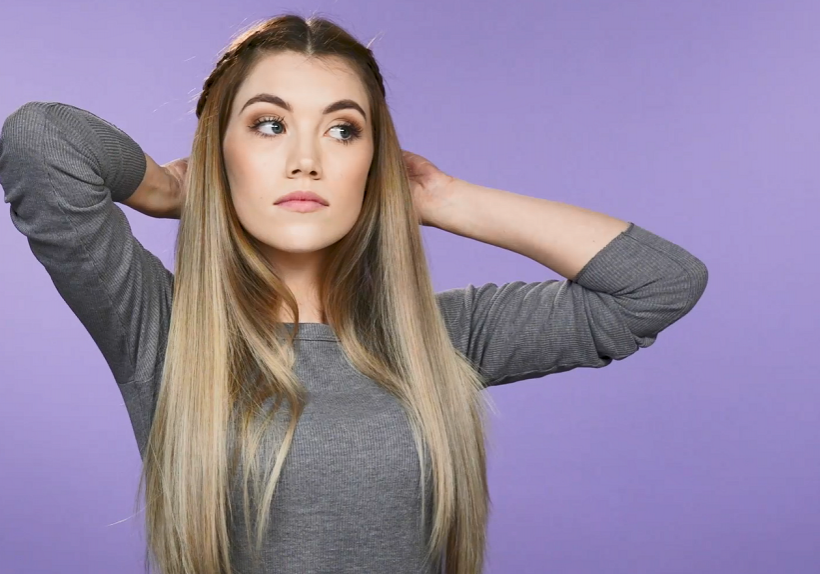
(355, 130)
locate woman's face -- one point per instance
(271, 151)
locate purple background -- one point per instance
(696, 120)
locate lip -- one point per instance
(300, 206)
(300, 196)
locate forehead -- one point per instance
(308, 83)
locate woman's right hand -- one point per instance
(162, 191)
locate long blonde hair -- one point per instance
(222, 363)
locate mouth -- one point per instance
(301, 205)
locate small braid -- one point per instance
(223, 64)
(219, 69)
(374, 67)
(231, 55)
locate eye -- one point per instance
(354, 130)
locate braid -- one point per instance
(231, 55)
(222, 65)
(374, 67)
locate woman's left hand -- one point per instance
(428, 184)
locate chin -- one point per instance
(296, 240)
(295, 245)
(302, 250)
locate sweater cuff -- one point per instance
(123, 160)
(130, 171)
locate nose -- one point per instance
(304, 157)
(309, 169)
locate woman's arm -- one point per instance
(560, 236)
(624, 286)
(63, 171)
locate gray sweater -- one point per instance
(348, 498)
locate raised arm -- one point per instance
(62, 170)
(635, 287)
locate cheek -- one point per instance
(247, 176)
(356, 169)
(356, 181)
(240, 169)
(242, 160)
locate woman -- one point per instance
(322, 315)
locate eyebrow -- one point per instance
(276, 100)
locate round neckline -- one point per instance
(314, 331)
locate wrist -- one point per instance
(157, 194)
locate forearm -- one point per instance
(157, 194)
(560, 236)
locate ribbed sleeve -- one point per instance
(634, 288)
(62, 168)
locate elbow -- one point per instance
(663, 303)
(20, 141)
(697, 275)
(29, 117)
(19, 137)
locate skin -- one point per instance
(305, 152)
